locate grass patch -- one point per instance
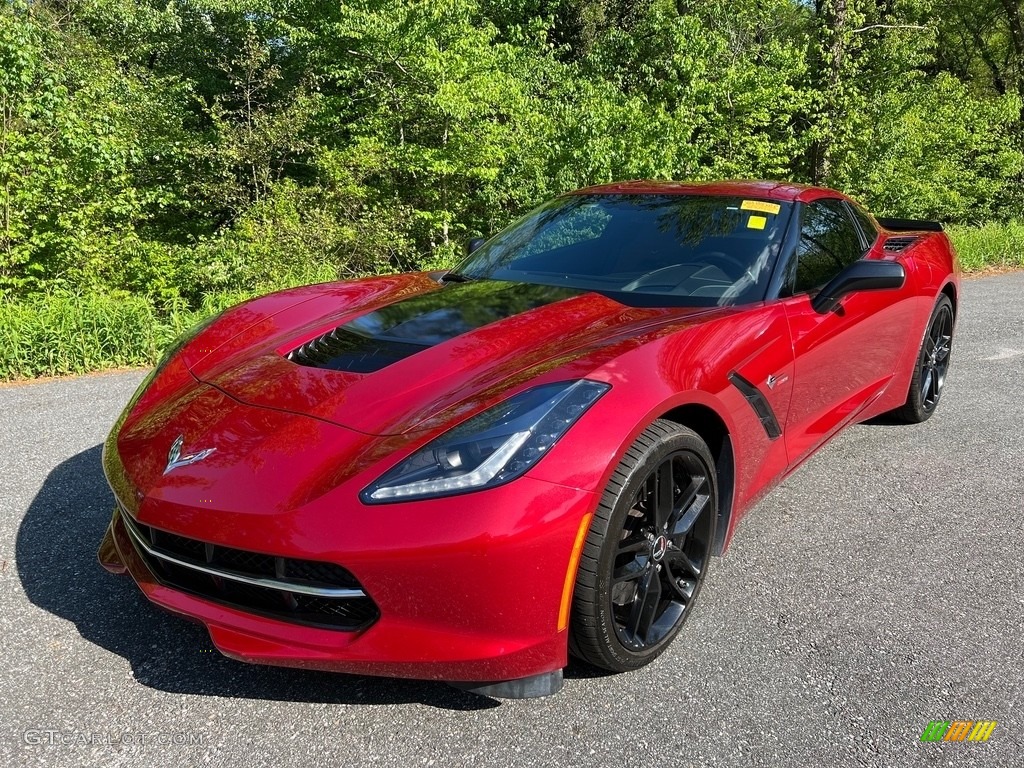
(989, 246)
(62, 333)
(56, 334)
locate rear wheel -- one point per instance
(931, 366)
(647, 551)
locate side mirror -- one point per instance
(475, 243)
(862, 275)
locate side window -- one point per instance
(867, 226)
(828, 243)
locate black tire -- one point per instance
(659, 558)
(931, 366)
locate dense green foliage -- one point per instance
(994, 246)
(154, 154)
(62, 333)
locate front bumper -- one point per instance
(473, 602)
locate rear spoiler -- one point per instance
(910, 225)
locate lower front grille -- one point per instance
(299, 591)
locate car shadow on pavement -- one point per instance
(885, 420)
(56, 559)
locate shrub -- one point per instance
(989, 246)
(57, 333)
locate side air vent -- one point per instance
(761, 406)
(896, 244)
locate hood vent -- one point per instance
(897, 244)
(319, 350)
(342, 350)
(389, 334)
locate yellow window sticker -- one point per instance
(756, 222)
(760, 205)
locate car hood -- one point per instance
(384, 356)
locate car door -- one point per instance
(844, 358)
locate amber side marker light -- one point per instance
(570, 572)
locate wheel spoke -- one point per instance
(690, 510)
(645, 606)
(678, 562)
(926, 385)
(650, 493)
(682, 586)
(634, 569)
(632, 545)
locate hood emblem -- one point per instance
(175, 459)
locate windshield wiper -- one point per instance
(456, 277)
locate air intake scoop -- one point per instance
(376, 340)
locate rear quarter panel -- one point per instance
(931, 268)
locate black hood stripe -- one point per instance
(392, 333)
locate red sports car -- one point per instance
(467, 476)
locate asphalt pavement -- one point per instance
(879, 588)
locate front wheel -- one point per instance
(647, 552)
(931, 367)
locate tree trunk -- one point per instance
(833, 14)
(1015, 25)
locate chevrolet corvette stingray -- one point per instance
(469, 475)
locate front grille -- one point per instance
(896, 244)
(313, 571)
(172, 542)
(244, 562)
(300, 591)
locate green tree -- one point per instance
(66, 150)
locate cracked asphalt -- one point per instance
(880, 587)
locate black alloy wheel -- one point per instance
(932, 365)
(647, 551)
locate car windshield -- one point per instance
(650, 250)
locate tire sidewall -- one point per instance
(680, 440)
(916, 399)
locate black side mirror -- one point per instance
(475, 243)
(862, 275)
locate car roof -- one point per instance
(782, 191)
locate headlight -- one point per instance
(492, 448)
